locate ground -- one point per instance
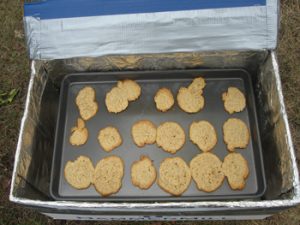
(14, 74)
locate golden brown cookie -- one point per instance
(116, 100)
(234, 100)
(197, 85)
(79, 173)
(174, 176)
(131, 88)
(236, 134)
(203, 134)
(207, 171)
(79, 133)
(109, 138)
(235, 168)
(143, 173)
(108, 175)
(189, 101)
(143, 132)
(164, 99)
(170, 137)
(86, 103)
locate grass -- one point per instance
(14, 74)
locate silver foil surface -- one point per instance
(30, 182)
(212, 29)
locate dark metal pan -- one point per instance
(217, 81)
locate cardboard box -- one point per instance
(30, 183)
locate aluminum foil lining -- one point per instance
(213, 29)
(30, 183)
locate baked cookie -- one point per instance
(131, 89)
(174, 176)
(164, 99)
(170, 137)
(236, 134)
(109, 138)
(234, 100)
(116, 100)
(143, 132)
(79, 133)
(206, 169)
(203, 134)
(86, 103)
(143, 173)
(197, 85)
(189, 101)
(235, 168)
(108, 175)
(79, 173)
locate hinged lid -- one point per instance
(73, 28)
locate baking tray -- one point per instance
(217, 81)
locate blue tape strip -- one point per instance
(53, 9)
